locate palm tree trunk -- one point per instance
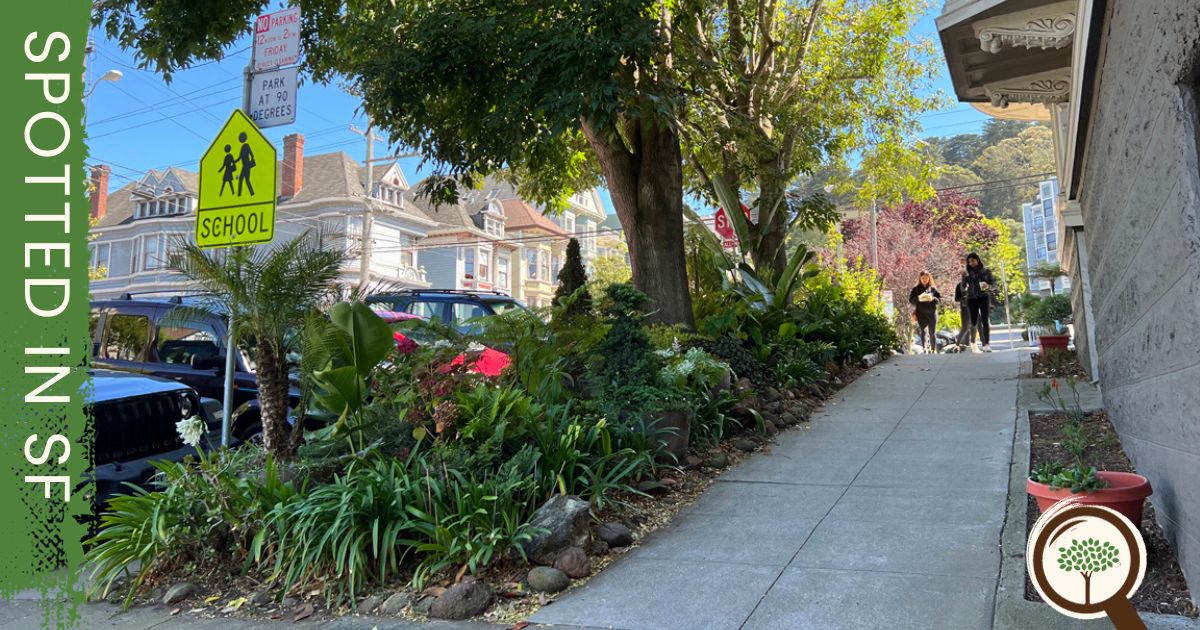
(273, 398)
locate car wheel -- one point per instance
(252, 434)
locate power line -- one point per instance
(996, 181)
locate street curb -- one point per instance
(1012, 610)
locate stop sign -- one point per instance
(724, 227)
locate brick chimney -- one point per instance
(100, 191)
(293, 165)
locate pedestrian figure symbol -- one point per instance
(228, 167)
(246, 157)
(245, 215)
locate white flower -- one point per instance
(191, 430)
(675, 347)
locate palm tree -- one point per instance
(1047, 271)
(269, 289)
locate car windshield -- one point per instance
(501, 307)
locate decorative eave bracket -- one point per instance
(1051, 26)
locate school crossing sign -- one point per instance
(237, 187)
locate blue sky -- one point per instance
(141, 123)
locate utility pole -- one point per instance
(364, 270)
(1007, 296)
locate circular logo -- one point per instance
(1086, 561)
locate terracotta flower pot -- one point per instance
(1053, 342)
(1126, 493)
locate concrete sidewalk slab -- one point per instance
(929, 549)
(817, 598)
(918, 505)
(911, 463)
(776, 502)
(729, 540)
(646, 594)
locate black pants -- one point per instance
(966, 336)
(927, 323)
(978, 308)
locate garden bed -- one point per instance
(1058, 364)
(1164, 589)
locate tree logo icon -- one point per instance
(1086, 558)
(1086, 561)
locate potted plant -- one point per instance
(1051, 482)
(1052, 313)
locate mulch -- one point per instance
(1058, 364)
(1164, 589)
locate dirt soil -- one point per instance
(1164, 589)
(1058, 364)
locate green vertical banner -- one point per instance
(45, 443)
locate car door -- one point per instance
(429, 310)
(125, 345)
(177, 340)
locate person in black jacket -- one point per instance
(977, 284)
(966, 334)
(925, 298)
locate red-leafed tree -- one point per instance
(916, 236)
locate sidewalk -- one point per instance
(886, 512)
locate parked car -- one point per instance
(453, 308)
(134, 425)
(408, 328)
(143, 337)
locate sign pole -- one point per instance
(1007, 297)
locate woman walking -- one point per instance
(978, 282)
(966, 333)
(925, 298)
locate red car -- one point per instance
(490, 362)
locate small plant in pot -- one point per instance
(1051, 482)
(1052, 313)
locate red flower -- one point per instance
(1054, 384)
(404, 345)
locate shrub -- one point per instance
(1053, 310)
(572, 294)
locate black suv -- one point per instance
(453, 308)
(136, 335)
(134, 423)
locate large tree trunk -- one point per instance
(645, 178)
(273, 388)
(771, 253)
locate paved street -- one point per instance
(885, 512)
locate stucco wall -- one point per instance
(1140, 200)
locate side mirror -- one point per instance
(208, 363)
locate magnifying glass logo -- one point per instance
(1086, 561)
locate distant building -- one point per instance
(1041, 236)
(137, 223)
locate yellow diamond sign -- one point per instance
(237, 187)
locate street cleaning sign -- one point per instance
(237, 187)
(277, 39)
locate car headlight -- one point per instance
(187, 407)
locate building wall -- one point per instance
(1140, 200)
(441, 267)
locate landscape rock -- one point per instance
(773, 407)
(692, 461)
(565, 521)
(743, 385)
(676, 428)
(262, 598)
(870, 360)
(771, 394)
(789, 418)
(394, 604)
(289, 603)
(718, 460)
(574, 562)
(615, 534)
(462, 601)
(745, 445)
(179, 592)
(547, 580)
(371, 603)
(423, 605)
(743, 409)
(770, 427)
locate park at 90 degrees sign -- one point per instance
(236, 205)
